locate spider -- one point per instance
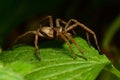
(58, 31)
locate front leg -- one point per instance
(76, 44)
(68, 43)
(78, 24)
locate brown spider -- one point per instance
(58, 31)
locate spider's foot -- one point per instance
(74, 56)
(37, 54)
(84, 57)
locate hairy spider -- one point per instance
(58, 31)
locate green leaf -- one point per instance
(8, 74)
(56, 62)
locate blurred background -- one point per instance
(102, 16)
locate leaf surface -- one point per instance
(57, 62)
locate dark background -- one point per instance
(98, 15)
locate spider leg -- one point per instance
(73, 41)
(23, 35)
(50, 20)
(36, 44)
(68, 43)
(58, 21)
(35, 41)
(37, 34)
(67, 27)
(88, 39)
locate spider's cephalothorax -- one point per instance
(58, 31)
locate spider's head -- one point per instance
(47, 32)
